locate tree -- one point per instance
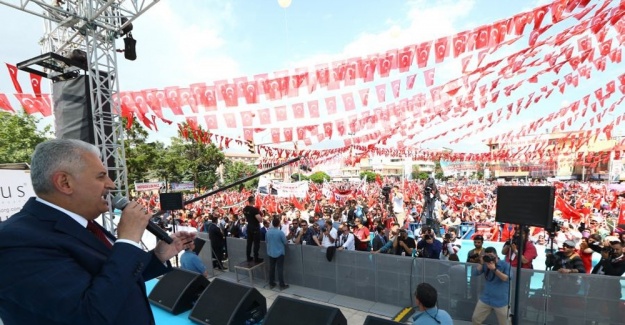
(142, 158)
(415, 172)
(438, 170)
(19, 136)
(319, 177)
(299, 177)
(236, 170)
(370, 176)
(198, 159)
(423, 176)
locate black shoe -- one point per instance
(249, 259)
(258, 260)
(284, 287)
(272, 285)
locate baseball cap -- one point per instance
(569, 243)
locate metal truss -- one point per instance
(93, 26)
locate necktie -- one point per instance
(97, 231)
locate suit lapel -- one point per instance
(65, 224)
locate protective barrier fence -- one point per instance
(547, 297)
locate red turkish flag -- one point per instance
(405, 59)
(209, 99)
(173, 100)
(240, 84)
(380, 90)
(156, 101)
(13, 73)
(275, 135)
(429, 77)
(229, 94)
(251, 92)
(327, 129)
(340, 127)
(351, 71)
(395, 86)
(483, 37)
(410, 81)
(231, 121)
(247, 118)
(348, 101)
(5, 104)
(323, 74)
(423, 54)
(35, 81)
(262, 83)
(441, 49)
(539, 14)
(140, 102)
(366, 69)
(384, 66)
(298, 110)
(280, 113)
(301, 132)
(288, 134)
(30, 104)
(520, 21)
(248, 134)
(313, 108)
(460, 43)
(211, 121)
(264, 116)
(364, 96)
(331, 105)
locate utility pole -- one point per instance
(89, 27)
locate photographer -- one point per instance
(328, 234)
(511, 251)
(608, 291)
(495, 294)
(403, 245)
(428, 246)
(612, 260)
(450, 244)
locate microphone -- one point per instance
(120, 202)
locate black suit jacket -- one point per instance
(54, 271)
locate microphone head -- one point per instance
(119, 202)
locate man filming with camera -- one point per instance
(496, 291)
(608, 291)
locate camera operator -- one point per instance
(496, 291)
(511, 249)
(428, 246)
(608, 291)
(450, 244)
(403, 245)
(346, 238)
(587, 247)
(328, 234)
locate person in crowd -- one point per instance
(587, 247)
(276, 242)
(451, 244)
(253, 219)
(306, 236)
(381, 243)
(612, 264)
(496, 291)
(346, 240)
(511, 249)
(58, 265)
(475, 254)
(429, 247)
(362, 236)
(404, 245)
(426, 299)
(191, 262)
(218, 242)
(398, 206)
(329, 234)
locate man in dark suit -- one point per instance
(58, 266)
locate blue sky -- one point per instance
(184, 42)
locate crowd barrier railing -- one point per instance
(547, 297)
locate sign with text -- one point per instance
(282, 189)
(15, 189)
(151, 186)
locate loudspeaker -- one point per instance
(199, 243)
(178, 290)
(171, 201)
(287, 311)
(228, 303)
(526, 205)
(372, 320)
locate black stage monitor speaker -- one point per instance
(178, 290)
(288, 311)
(228, 303)
(372, 320)
(525, 205)
(171, 201)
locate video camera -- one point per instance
(386, 192)
(487, 258)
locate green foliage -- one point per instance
(299, 177)
(19, 136)
(423, 176)
(234, 171)
(370, 176)
(319, 177)
(415, 172)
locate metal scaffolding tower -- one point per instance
(91, 26)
